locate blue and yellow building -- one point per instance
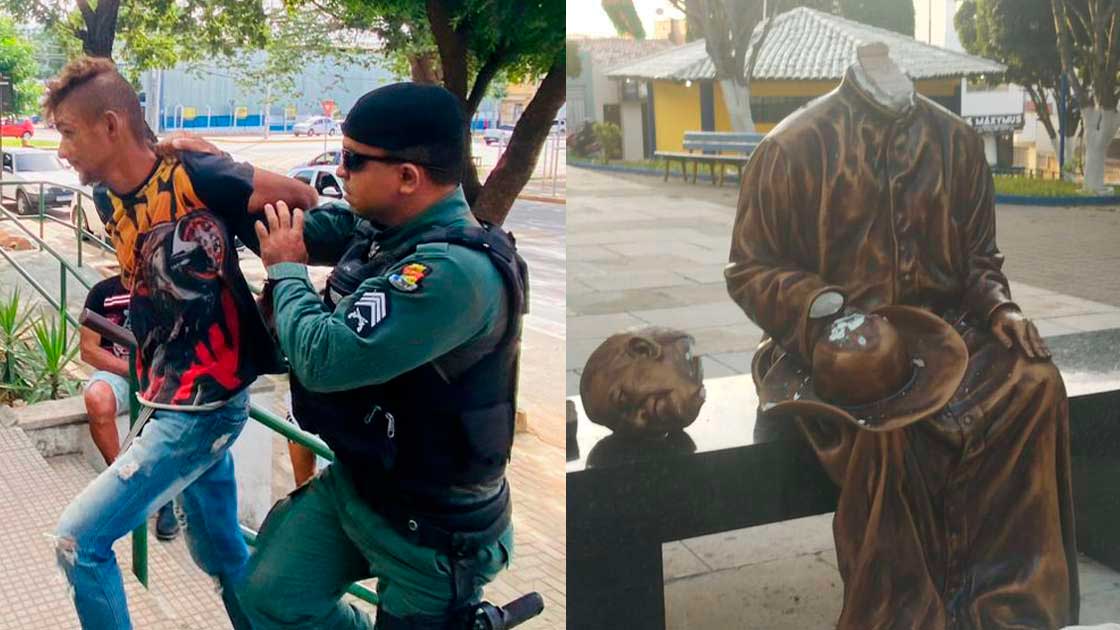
(805, 55)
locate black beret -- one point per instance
(410, 115)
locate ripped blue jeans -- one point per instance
(178, 453)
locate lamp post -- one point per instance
(1062, 126)
(5, 85)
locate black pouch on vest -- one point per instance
(489, 434)
(381, 432)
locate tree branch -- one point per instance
(683, 7)
(452, 49)
(1042, 109)
(87, 13)
(483, 79)
(756, 49)
(516, 165)
(1063, 26)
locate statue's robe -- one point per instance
(965, 518)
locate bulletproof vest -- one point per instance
(446, 423)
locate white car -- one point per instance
(316, 125)
(35, 165)
(497, 135)
(322, 179)
(330, 158)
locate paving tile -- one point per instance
(787, 594)
(681, 249)
(1101, 321)
(601, 326)
(740, 362)
(715, 369)
(1054, 327)
(1053, 305)
(635, 280)
(754, 545)
(679, 561)
(724, 313)
(737, 338)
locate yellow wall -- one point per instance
(677, 108)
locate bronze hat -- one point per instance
(900, 364)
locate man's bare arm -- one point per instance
(269, 188)
(98, 357)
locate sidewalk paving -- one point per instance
(644, 252)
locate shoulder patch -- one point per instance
(408, 280)
(367, 312)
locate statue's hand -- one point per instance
(1012, 328)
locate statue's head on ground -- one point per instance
(645, 382)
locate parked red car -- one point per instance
(17, 129)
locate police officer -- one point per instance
(407, 368)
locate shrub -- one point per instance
(1025, 186)
(609, 136)
(36, 353)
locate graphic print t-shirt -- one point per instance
(199, 335)
(109, 299)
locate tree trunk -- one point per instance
(516, 165)
(101, 27)
(1100, 128)
(737, 98)
(98, 44)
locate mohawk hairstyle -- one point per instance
(100, 88)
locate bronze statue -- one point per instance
(644, 383)
(955, 506)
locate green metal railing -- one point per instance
(261, 415)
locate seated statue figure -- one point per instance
(955, 508)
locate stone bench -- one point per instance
(625, 502)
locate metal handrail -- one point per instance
(261, 415)
(79, 225)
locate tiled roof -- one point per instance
(807, 44)
(612, 51)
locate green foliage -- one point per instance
(164, 33)
(609, 136)
(155, 33)
(889, 14)
(1019, 34)
(521, 39)
(583, 142)
(36, 353)
(55, 348)
(17, 62)
(13, 323)
(1025, 186)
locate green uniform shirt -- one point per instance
(439, 298)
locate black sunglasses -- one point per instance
(354, 161)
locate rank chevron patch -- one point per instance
(368, 311)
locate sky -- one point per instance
(586, 17)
